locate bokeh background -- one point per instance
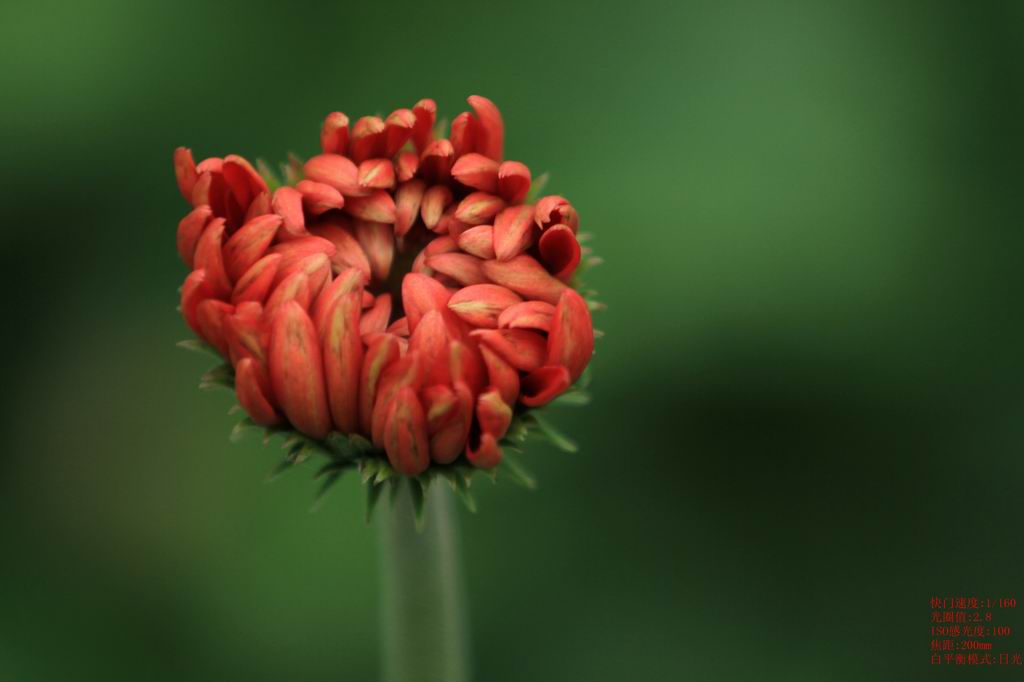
(808, 402)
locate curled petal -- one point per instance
(513, 181)
(380, 354)
(398, 129)
(295, 250)
(407, 205)
(294, 288)
(376, 174)
(461, 267)
(343, 361)
(405, 434)
(185, 172)
(526, 277)
(525, 350)
(501, 375)
(255, 283)
(430, 339)
(335, 170)
(195, 290)
(406, 166)
(435, 201)
(249, 244)
(368, 139)
(375, 320)
(478, 241)
(377, 242)
(248, 389)
(491, 131)
(448, 225)
(479, 208)
(464, 133)
(559, 251)
(296, 371)
(477, 172)
(492, 413)
(347, 281)
(209, 256)
(347, 251)
(317, 267)
(448, 442)
(527, 315)
(513, 232)
(378, 207)
(189, 230)
(400, 328)
(443, 244)
(554, 210)
(210, 315)
(487, 453)
(436, 161)
(467, 365)
(544, 384)
(242, 179)
(425, 112)
(287, 203)
(481, 304)
(407, 372)
(246, 333)
(439, 403)
(334, 133)
(318, 197)
(261, 205)
(571, 340)
(420, 295)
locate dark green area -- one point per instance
(808, 404)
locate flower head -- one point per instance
(400, 290)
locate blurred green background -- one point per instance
(808, 402)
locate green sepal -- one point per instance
(556, 437)
(417, 488)
(536, 187)
(199, 346)
(292, 171)
(511, 468)
(268, 175)
(572, 398)
(221, 376)
(373, 493)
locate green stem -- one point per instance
(423, 621)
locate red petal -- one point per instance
(287, 203)
(381, 353)
(559, 251)
(210, 315)
(524, 350)
(478, 241)
(319, 197)
(398, 129)
(334, 134)
(249, 244)
(335, 170)
(425, 112)
(421, 294)
(296, 371)
(378, 207)
(343, 361)
(405, 434)
(375, 319)
(189, 230)
(501, 375)
(255, 284)
(210, 257)
(461, 267)
(513, 232)
(544, 384)
(513, 181)
(526, 277)
(491, 132)
(377, 241)
(250, 394)
(185, 172)
(368, 138)
(571, 340)
(195, 290)
(477, 172)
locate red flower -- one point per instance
(296, 287)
